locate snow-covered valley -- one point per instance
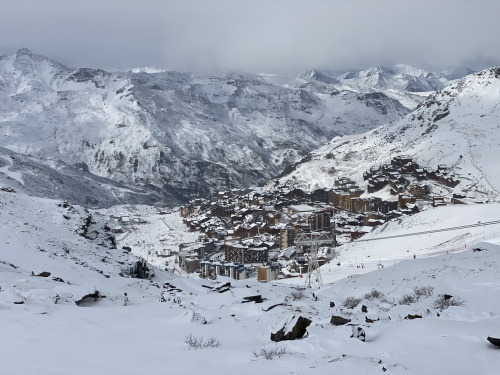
(93, 163)
(46, 332)
(176, 135)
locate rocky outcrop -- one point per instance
(295, 329)
(89, 298)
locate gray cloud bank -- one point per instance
(254, 36)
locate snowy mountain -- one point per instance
(58, 180)
(407, 84)
(397, 77)
(458, 126)
(186, 134)
(62, 325)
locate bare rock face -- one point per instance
(294, 329)
(494, 341)
(140, 270)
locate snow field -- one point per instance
(106, 337)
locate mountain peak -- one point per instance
(23, 50)
(317, 75)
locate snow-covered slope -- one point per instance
(58, 180)
(45, 332)
(458, 126)
(401, 77)
(406, 84)
(42, 235)
(188, 134)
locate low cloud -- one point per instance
(255, 36)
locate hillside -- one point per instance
(407, 84)
(186, 134)
(42, 322)
(458, 126)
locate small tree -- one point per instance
(374, 294)
(351, 302)
(270, 353)
(442, 302)
(423, 291)
(407, 299)
(194, 342)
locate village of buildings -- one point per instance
(248, 233)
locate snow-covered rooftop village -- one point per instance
(266, 199)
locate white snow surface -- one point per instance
(43, 337)
(191, 133)
(458, 126)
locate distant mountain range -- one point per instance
(171, 136)
(458, 126)
(398, 77)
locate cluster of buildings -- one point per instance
(121, 223)
(244, 227)
(403, 175)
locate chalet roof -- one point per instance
(260, 249)
(113, 225)
(301, 208)
(239, 246)
(286, 272)
(363, 229)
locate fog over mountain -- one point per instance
(254, 36)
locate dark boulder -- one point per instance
(257, 299)
(339, 321)
(411, 317)
(88, 299)
(223, 288)
(295, 329)
(44, 274)
(494, 341)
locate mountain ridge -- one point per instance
(185, 134)
(457, 126)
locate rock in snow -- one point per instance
(293, 329)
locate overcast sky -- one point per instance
(254, 36)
